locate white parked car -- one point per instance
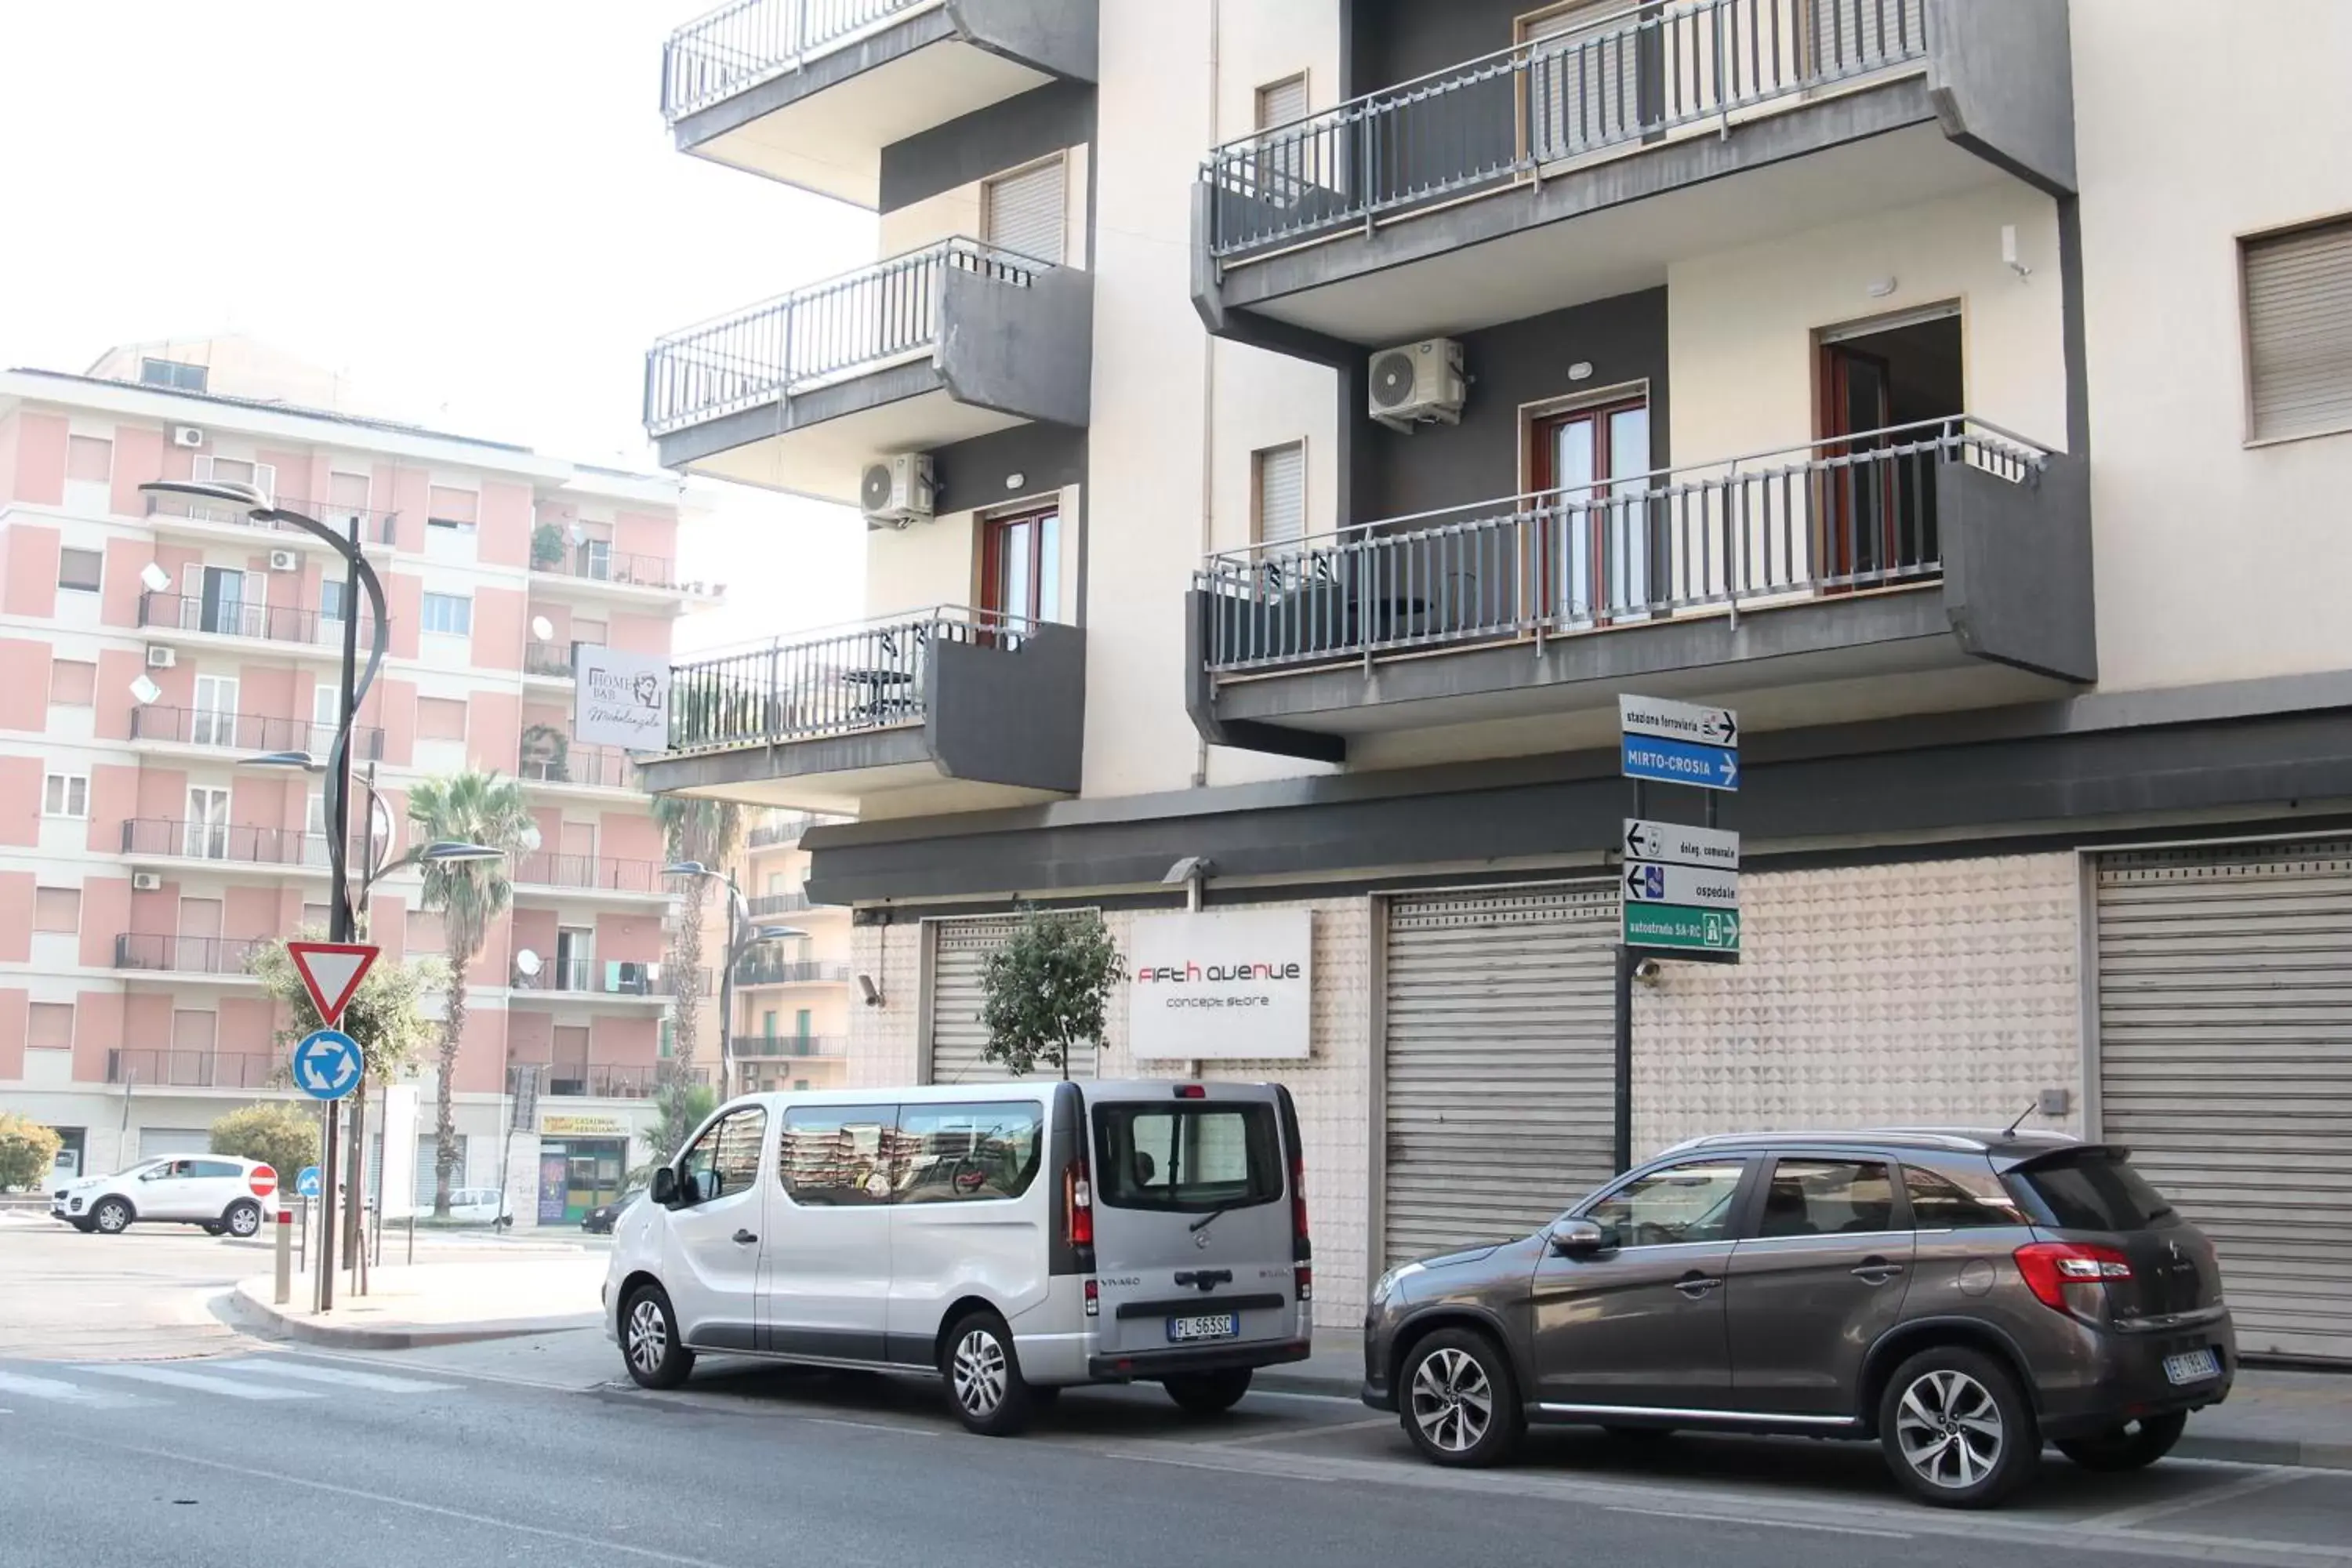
(480, 1205)
(214, 1191)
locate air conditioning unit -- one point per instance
(187, 436)
(146, 881)
(162, 658)
(896, 491)
(284, 561)
(1419, 383)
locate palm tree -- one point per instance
(710, 832)
(469, 895)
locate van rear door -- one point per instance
(1194, 1244)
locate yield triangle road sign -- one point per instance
(332, 973)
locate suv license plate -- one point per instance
(2191, 1366)
(1182, 1330)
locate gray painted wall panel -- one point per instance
(1011, 716)
(1001, 136)
(1022, 351)
(2003, 80)
(1059, 35)
(969, 474)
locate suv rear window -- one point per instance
(2089, 1189)
(1188, 1157)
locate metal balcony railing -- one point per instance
(600, 977)
(758, 971)
(375, 527)
(235, 618)
(845, 326)
(834, 683)
(788, 1045)
(780, 827)
(185, 954)
(546, 868)
(594, 561)
(602, 767)
(548, 658)
(611, 1080)
(1616, 81)
(249, 732)
(740, 46)
(1826, 518)
(176, 837)
(195, 1068)
(778, 904)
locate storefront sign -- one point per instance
(622, 698)
(1228, 987)
(582, 1126)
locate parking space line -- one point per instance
(1682, 1513)
(1289, 1432)
(2123, 1519)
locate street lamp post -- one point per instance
(738, 915)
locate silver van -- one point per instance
(1011, 1240)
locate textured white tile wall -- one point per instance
(1941, 991)
(882, 1041)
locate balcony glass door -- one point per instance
(1021, 565)
(1591, 466)
(575, 958)
(227, 601)
(213, 719)
(208, 824)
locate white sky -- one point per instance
(470, 208)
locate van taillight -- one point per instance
(1300, 1247)
(2048, 1268)
(1094, 1300)
(1191, 1091)
(1077, 1204)
(1303, 1280)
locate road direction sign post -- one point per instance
(332, 973)
(306, 1183)
(328, 1064)
(263, 1180)
(1676, 844)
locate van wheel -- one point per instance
(983, 1379)
(1208, 1393)
(649, 1340)
(1956, 1430)
(243, 1220)
(1460, 1404)
(2130, 1447)
(212, 1228)
(111, 1215)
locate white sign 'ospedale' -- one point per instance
(622, 700)
(1220, 986)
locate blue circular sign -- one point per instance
(328, 1064)
(306, 1186)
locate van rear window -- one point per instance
(2089, 1189)
(1186, 1157)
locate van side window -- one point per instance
(839, 1156)
(968, 1153)
(726, 1158)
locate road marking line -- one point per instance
(1299, 1431)
(2123, 1519)
(175, 1379)
(273, 1366)
(63, 1393)
(1760, 1523)
(595, 1543)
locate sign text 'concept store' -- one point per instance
(1226, 986)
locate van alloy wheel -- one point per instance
(649, 1336)
(1950, 1429)
(1452, 1403)
(979, 1373)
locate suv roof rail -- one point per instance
(1941, 1140)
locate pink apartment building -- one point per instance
(146, 646)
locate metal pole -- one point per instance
(339, 907)
(726, 1002)
(283, 1281)
(326, 1289)
(1623, 1138)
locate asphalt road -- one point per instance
(207, 1449)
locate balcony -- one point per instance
(1947, 547)
(812, 91)
(594, 977)
(778, 827)
(757, 970)
(186, 517)
(548, 660)
(594, 569)
(580, 767)
(202, 955)
(744, 1047)
(548, 870)
(246, 1070)
(211, 730)
(1580, 166)
(229, 844)
(936, 346)
(614, 1080)
(953, 709)
(778, 904)
(198, 620)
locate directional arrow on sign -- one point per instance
(1693, 763)
(1677, 721)
(328, 1064)
(1676, 844)
(1692, 886)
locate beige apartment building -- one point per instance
(151, 647)
(1313, 418)
(791, 1023)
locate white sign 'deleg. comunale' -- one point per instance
(622, 700)
(1227, 985)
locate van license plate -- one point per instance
(2193, 1366)
(1183, 1330)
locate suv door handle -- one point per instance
(1696, 1285)
(1876, 1270)
(746, 1237)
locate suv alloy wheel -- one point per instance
(1956, 1430)
(1460, 1404)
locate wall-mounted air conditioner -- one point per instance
(284, 561)
(187, 436)
(146, 881)
(1418, 384)
(162, 658)
(896, 491)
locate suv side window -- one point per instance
(1940, 1203)
(726, 1158)
(839, 1156)
(1684, 1202)
(216, 1169)
(1814, 1195)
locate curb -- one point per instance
(244, 1306)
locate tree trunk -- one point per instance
(445, 1124)
(686, 949)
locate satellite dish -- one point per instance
(579, 533)
(145, 691)
(155, 578)
(527, 963)
(531, 840)
(542, 628)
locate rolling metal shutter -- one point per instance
(1025, 212)
(2225, 1066)
(1282, 494)
(2299, 331)
(1499, 1061)
(958, 959)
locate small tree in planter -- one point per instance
(28, 1152)
(546, 547)
(1044, 990)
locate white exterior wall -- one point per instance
(938, 563)
(958, 213)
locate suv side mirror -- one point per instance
(1580, 1238)
(664, 1190)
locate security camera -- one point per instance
(1649, 971)
(872, 992)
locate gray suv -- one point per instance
(1959, 1296)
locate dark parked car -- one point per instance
(599, 1220)
(1957, 1297)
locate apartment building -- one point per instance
(791, 1027)
(150, 646)
(1960, 391)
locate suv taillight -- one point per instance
(2051, 1268)
(1077, 1204)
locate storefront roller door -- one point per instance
(959, 958)
(2225, 1065)
(1499, 1061)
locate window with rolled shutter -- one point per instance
(1024, 213)
(2299, 331)
(1282, 494)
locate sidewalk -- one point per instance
(2272, 1417)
